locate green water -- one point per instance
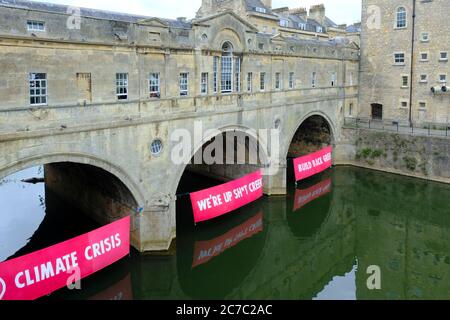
(289, 248)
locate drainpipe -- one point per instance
(411, 82)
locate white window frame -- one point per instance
(404, 101)
(425, 37)
(184, 84)
(216, 74)
(446, 56)
(262, 81)
(278, 81)
(284, 23)
(445, 78)
(403, 76)
(226, 74)
(399, 63)
(319, 29)
(34, 84)
(423, 80)
(260, 10)
(250, 82)
(426, 59)
(291, 80)
(122, 81)
(34, 25)
(403, 19)
(237, 74)
(302, 26)
(154, 85)
(422, 102)
(204, 83)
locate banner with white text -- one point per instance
(214, 202)
(313, 164)
(43, 272)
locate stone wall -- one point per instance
(418, 156)
(381, 77)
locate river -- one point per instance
(322, 241)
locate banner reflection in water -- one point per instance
(206, 250)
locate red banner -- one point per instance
(214, 202)
(313, 164)
(206, 250)
(43, 272)
(303, 197)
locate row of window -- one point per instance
(423, 79)
(285, 24)
(38, 84)
(399, 57)
(443, 56)
(404, 104)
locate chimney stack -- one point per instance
(300, 12)
(317, 12)
(284, 10)
(267, 3)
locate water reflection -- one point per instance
(206, 250)
(315, 244)
(305, 196)
(22, 210)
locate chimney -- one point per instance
(267, 3)
(284, 10)
(317, 12)
(300, 12)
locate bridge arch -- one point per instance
(259, 140)
(75, 158)
(82, 183)
(323, 117)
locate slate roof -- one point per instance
(294, 21)
(311, 24)
(354, 28)
(253, 4)
(86, 12)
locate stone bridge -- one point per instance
(112, 170)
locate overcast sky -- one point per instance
(341, 11)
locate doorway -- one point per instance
(377, 111)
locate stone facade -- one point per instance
(76, 88)
(401, 91)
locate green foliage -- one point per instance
(411, 163)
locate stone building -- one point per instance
(404, 61)
(96, 97)
(119, 58)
